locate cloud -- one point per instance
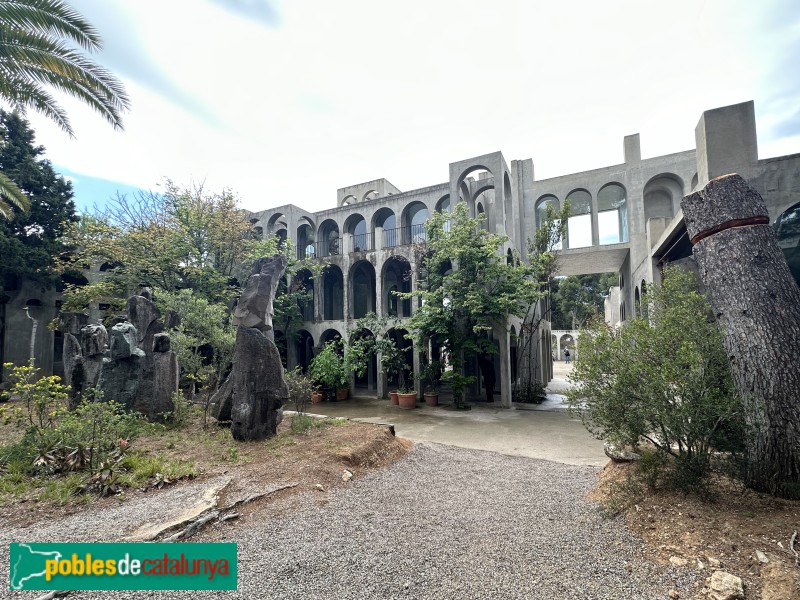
(260, 10)
(124, 53)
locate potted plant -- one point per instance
(394, 362)
(430, 376)
(328, 370)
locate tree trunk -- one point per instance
(757, 304)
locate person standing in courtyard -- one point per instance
(566, 355)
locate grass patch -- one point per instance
(142, 467)
(282, 440)
(302, 423)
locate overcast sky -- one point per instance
(286, 101)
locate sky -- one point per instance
(285, 101)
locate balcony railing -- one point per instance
(362, 242)
(413, 234)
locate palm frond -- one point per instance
(33, 55)
(11, 195)
(51, 18)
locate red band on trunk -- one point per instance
(759, 220)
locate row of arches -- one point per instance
(385, 230)
(362, 280)
(305, 348)
(661, 197)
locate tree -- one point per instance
(470, 291)
(29, 243)
(178, 239)
(756, 302)
(576, 299)
(195, 250)
(666, 381)
(35, 53)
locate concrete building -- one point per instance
(626, 218)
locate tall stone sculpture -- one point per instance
(757, 303)
(256, 387)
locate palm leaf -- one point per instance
(50, 18)
(11, 195)
(33, 56)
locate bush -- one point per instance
(92, 439)
(666, 381)
(300, 388)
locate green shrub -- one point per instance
(666, 381)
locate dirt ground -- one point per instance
(729, 530)
(316, 457)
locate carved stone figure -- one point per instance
(255, 306)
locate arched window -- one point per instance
(612, 214)
(363, 290)
(662, 195)
(414, 217)
(385, 219)
(579, 224)
(332, 293)
(356, 226)
(328, 239)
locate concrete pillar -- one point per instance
(726, 141)
(632, 149)
(379, 308)
(318, 284)
(416, 365)
(347, 244)
(383, 384)
(378, 241)
(504, 342)
(414, 282)
(346, 291)
(595, 222)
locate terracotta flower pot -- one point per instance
(407, 401)
(342, 393)
(393, 397)
(317, 397)
(432, 398)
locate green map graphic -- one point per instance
(27, 564)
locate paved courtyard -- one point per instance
(537, 431)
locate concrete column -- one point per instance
(382, 380)
(378, 241)
(414, 282)
(346, 290)
(347, 244)
(595, 222)
(632, 149)
(318, 284)
(504, 341)
(379, 309)
(416, 365)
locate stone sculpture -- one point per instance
(121, 375)
(255, 306)
(252, 396)
(135, 367)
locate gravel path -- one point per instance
(440, 523)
